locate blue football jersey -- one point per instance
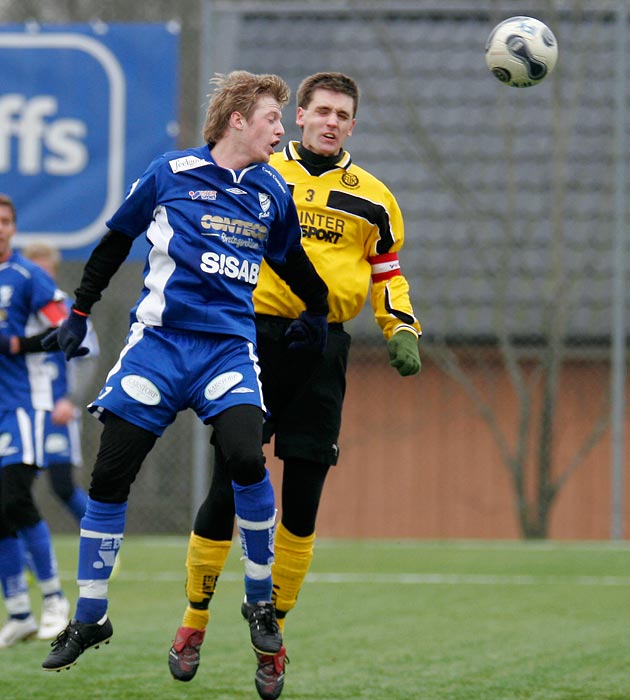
(26, 293)
(208, 228)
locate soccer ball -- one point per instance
(521, 51)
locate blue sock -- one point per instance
(38, 544)
(255, 518)
(102, 529)
(77, 503)
(12, 567)
(257, 590)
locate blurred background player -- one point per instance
(352, 230)
(210, 214)
(71, 382)
(30, 304)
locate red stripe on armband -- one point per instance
(384, 266)
(55, 312)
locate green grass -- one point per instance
(379, 619)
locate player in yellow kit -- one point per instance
(352, 230)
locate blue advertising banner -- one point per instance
(84, 108)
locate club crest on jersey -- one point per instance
(350, 180)
(265, 203)
(6, 292)
(207, 195)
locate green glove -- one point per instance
(403, 353)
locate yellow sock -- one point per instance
(204, 563)
(197, 619)
(292, 560)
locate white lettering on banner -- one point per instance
(54, 146)
(64, 143)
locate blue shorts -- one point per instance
(161, 372)
(22, 434)
(62, 443)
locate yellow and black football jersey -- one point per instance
(352, 230)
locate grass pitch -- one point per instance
(402, 620)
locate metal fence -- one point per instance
(513, 199)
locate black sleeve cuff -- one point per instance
(33, 343)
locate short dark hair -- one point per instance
(337, 82)
(6, 201)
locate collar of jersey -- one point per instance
(294, 150)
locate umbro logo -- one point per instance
(236, 190)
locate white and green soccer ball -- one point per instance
(521, 51)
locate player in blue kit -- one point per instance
(30, 304)
(70, 381)
(211, 215)
(61, 444)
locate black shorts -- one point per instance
(303, 391)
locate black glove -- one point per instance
(5, 344)
(308, 332)
(69, 336)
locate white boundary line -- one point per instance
(404, 579)
(423, 545)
